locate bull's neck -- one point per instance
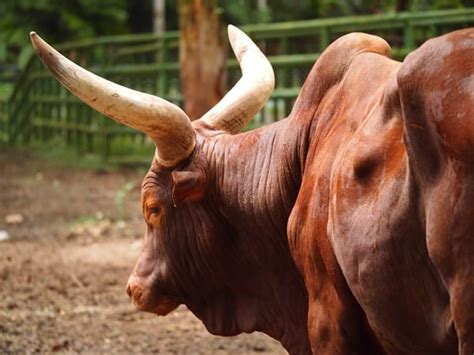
(258, 175)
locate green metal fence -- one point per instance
(40, 109)
(3, 119)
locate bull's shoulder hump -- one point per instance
(354, 43)
(333, 64)
(340, 54)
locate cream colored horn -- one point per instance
(251, 92)
(168, 125)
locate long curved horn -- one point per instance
(168, 126)
(249, 95)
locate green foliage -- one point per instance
(246, 11)
(121, 195)
(332, 8)
(58, 154)
(282, 10)
(243, 12)
(61, 21)
(303, 9)
(5, 90)
(421, 5)
(57, 20)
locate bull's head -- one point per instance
(193, 252)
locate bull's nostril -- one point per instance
(129, 291)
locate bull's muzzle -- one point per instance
(146, 300)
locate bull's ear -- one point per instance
(187, 185)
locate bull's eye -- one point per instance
(153, 210)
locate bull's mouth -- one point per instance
(160, 306)
(150, 299)
(164, 307)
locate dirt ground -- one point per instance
(69, 239)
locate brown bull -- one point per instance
(365, 190)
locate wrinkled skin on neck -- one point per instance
(216, 236)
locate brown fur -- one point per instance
(345, 228)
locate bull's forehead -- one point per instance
(156, 184)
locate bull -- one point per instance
(345, 228)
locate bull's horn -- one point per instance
(168, 126)
(251, 92)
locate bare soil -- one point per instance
(64, 267)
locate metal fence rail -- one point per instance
(40, 109)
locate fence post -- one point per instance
(324, 34)
(163, 89)
(408, 36)
(104, 126)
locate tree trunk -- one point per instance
(262, 4)
(159, 24)
(203, 54)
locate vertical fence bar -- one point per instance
(408, 36)
(324, 34)
(164, 89)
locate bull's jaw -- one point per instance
(230, 314)
(225, 316)
(220, 316)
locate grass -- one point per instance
(60, 155)
(85, 219)
(121, 196)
